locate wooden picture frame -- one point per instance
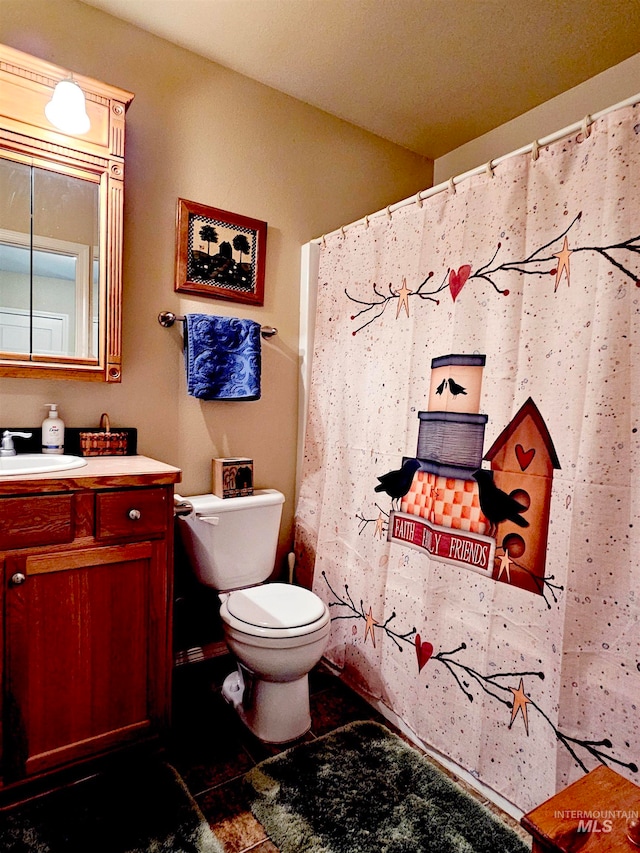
(221, 274)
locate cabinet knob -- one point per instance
(134, 514)
(18, 578)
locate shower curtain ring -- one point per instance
(452, 186)
(419, 199)
(324, 242)
(366, 221)
(586, 127)
(489, 168)
(342, 232)
(389, 212)
(535, 149)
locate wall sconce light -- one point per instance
(67, 110)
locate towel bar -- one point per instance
(168, 318)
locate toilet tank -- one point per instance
(232, 542)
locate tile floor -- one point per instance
(212, 750)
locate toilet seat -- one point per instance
(274, 610)
(276, 605)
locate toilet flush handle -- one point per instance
(209, 519)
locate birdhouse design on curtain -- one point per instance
(523, 459)
(491, 521)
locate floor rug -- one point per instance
(361, 789)
(148, 809)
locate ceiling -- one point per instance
(426, 74)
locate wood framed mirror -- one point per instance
(61, 206)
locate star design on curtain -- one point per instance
(370, 622)
(563, 262)
(505, 563)
(403, 298)
(520, 700)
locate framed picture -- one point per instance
(220, 254)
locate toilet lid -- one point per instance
(275, 605)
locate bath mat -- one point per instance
(361, 789)
(145, 810)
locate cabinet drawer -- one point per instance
(36, 520)
(136, 513)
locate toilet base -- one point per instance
(275, 712)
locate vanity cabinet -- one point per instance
(87, 591)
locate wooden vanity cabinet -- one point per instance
(87, 589)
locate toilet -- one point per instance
(277, 631)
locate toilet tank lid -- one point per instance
(210, 503)
(276, 605)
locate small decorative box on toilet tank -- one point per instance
(233, 477)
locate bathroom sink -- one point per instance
(38, 463)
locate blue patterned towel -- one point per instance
(222, 357)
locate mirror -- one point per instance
(60, 228)
(49, 267)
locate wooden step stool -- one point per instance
(597, 814)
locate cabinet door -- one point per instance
(86, 653)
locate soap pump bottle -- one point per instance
(53, 431)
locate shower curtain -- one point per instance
(469, 504)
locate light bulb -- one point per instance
(66, 110)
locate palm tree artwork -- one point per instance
(219, 253)
(241, 245)
(209, 235)
(201, 261)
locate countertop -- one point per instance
(100, 472)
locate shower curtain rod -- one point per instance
(531, 148)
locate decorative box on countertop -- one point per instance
(233, 477)
(104, 441)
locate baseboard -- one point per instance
(208, 651)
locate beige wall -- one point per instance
(612, 86)
(198, 131)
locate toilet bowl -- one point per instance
(277, 632)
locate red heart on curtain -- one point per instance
(457, 280)
(524, 457)
(423, 651)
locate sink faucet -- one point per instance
(6, 447)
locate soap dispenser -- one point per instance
(53, 431)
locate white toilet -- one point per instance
(278, 632)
